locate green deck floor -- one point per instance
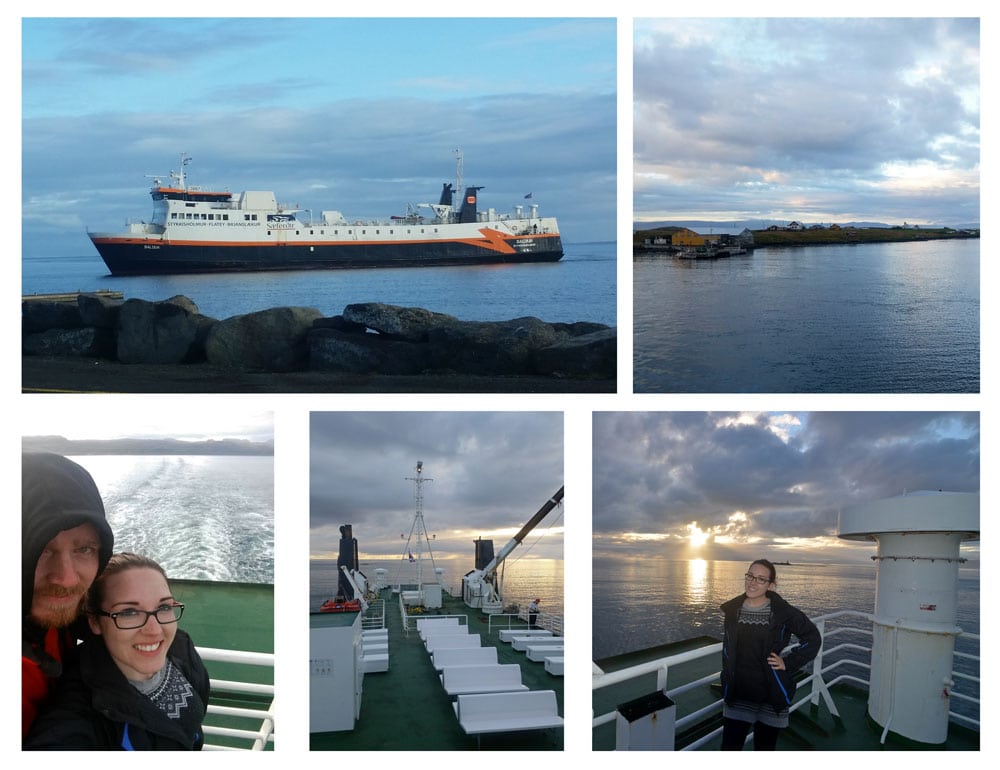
(406, 708)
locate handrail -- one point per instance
(553, 623)
(820, 687)
(262, 720)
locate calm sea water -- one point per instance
(647, 602)
(581, 287)
(201, 517)
(870, 318)
(524, 579)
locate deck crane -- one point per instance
(480, 587)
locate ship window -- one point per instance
(204, 216)
(253, 217)
(225, 217)
(189, 205)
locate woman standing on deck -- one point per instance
(757, 684)
(139, 684)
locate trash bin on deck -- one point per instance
(645, 724)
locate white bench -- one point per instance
(424, 625)
(463, 680)
(375, 662)
(506, 634)
(507, 711)
(543, 651)
(435, 643)
(554, 665)
(449, 631)
(521, 642)
(464, 656)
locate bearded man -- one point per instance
(65, 543)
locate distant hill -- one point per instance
(705, 226)
(141, 446)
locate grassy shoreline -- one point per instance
(822, 237)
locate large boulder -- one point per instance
(406, 323)
(166, 332)
(268, 340)
(99, 311)
(490, 347)
(88, 341)
(334, 350)
(588, 356)
(39, 315)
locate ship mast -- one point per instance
(459, 190)
(179, 176)
(418, 522)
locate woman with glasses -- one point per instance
(139, 683)
(757, 684)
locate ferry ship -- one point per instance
(194, 230)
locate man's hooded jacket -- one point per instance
(56, 494)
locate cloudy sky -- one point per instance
(816, 120)
(490, 473)
(738, 486)
(357, 115)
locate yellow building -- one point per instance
(691, 239)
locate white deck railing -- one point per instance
(259, 729)
(816, 686)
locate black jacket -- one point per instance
(786, 621)
(95, 707)
(56, 494)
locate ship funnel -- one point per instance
(916, 598)
(468, 211)
(347, 557)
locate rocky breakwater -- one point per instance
(367, 338)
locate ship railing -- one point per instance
(375, 617)
(507, 620)
(843, 661)
(248, 727)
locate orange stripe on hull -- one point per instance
(491, 240)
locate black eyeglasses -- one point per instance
(760, 580)
(131, 618)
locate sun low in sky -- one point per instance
(726, 485)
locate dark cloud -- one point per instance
(488, 471)
(788, 475)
